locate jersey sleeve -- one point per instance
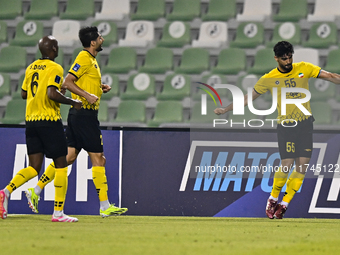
(314, 70)
(56, 77)
(25, 83)
(260, 86)
(79, 66)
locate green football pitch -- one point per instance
(36, 234)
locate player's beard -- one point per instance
(99, 48)
(287, 68)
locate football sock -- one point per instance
(104, 205)
(100, 182)
(21, 177)
(60, 184)
(293, 185)
(46, 178)
(273, 198)
(280, 179)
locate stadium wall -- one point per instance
(182, 172)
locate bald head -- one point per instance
(48, 47)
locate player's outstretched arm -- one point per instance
(332, 77)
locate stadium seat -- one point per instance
(121, 60)
(264, 62)
(5, 84)
(108, 29)
(230, 61)
(157, 60)
(28, 33)
(17, 93)
(139, 86)
(67, 32)
(176, 87)
(103, 111)
(185, 10)
(3, 31)
(138, 34)
(194, 60)
(255, 10)
(15, 112)
(167, 112)
(59, 59)
(12, 59)
(286, 31)
(212, 80)
(248, 35)
(78, 9)
(321, 90)
(113, 10)
(196, 116)
(333, 60)
(325, 10)
(131, 111)
(287, 13)
(213, 34)
(220, 10)
(42, 9)
(64, 108)
(113, 81)
(245, 81)
(175, 34)
(149, 10)
(307, 55)
(10, 9)
(322, 35)
(322, 113)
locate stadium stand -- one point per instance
(121, 60)
(138, 34)
(287, 31)
(321, 90)
(67, 32)
(255, 10)
(5, 84)
(78, 10)
(287, 13)
(103, 111)
(139, 86)
(12, 59)
(157, 60)
(230, 61)
(108, 29)
(324, 10)
(10, 9)
(64, 108)
(263, 62)
(212, 34)
(3, 31)
(220, 10)
(149, 10)
(113, 81)
(307, 55)
(42, 9)
(333, 60)
(28, 33)
(167, 112)
(194, 60)
(175, 87)
(196, 116)
(322, 113)
(113, 10)
(185, 10)
(131, 111)
(175, 34)
(212, 80)
(322, 35)
(248, 35)
(15, 112)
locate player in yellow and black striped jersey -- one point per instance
(83, 132)
(44, 129)
(295, 137)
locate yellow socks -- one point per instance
(21, 177)
(47, 176)
(280, 179)
(60, 184)
(100, 182)
(293, 185)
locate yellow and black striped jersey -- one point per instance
(39, 75)
(296, 78)
(87, 71)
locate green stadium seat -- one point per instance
(176, 87)
(220, 10)
(10, 9)
(139, 86)
(157, 60)
(175, 34)
(17, 93)
(264, 62)
(245, 81)
(321, 90)
(28, 33)
(194, 60)
(287, 13)
(64, 108)
(333, 60)
(167, 112)
(196, 116)
(248, 35)
(185, 10)
(230, 61)
(42, 9)
(12, 59)
(121, 60)
(15, 112)
(78, 9)
(5, 84)
(322, 35)
(131, 111)
(149, 10)
(286, 31)
(212, 80)
(103, 111)
(113, 81)
(59, 59)
(3, 31)
(108, 30)
(322, 113)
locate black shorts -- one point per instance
(47, 138)
(83, 130)
(296, 141)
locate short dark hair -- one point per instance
(88, 34)
(283, 48)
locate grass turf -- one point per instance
(36, 234)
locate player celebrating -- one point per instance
(295, 138)
(83, 132)
(44, 129)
